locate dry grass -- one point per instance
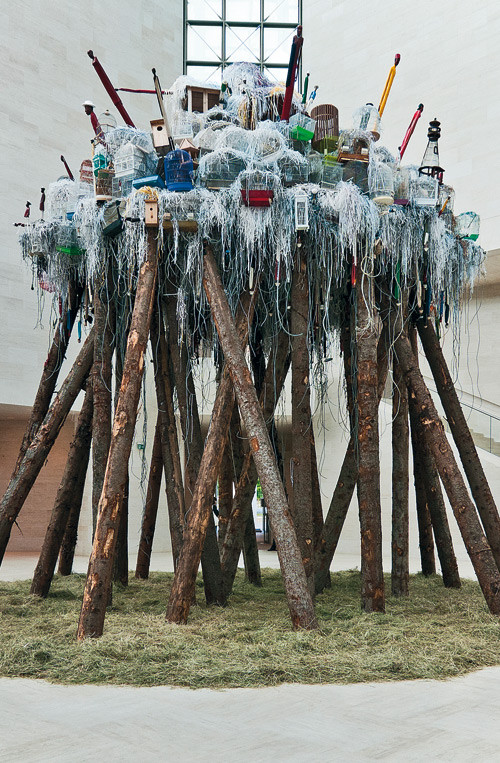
(436, 633)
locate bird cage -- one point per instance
(381, 183)
(58, 194)
(86, 175)
(446, 203)
(294, 168)
(327, 121)
(367, 118)
(402, 180)
(130, 160)
(66, 239)
(354, 145)
(357, 172)
(268, 143)
(332, 171)
(315, 162)
(207, 139)
(99, 161)
(220, 168)
(107, 121)
(257, 188)
(104, 185)
(301, 127)
(467, 225)
(178, 171)
(235, 138)
(301, 208)
(326, 145)
(182, 125)
(122, 186)
(424, 191)
(80, 191)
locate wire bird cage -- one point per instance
(122, 186)
(294, 168)
(235, 138)
(267, 143)
(80, 191)
(357, 172)
(99, 161)
(86, 175)
(467, 225)
(257, 188)
(354, 145)
(315, 162)
(178, 171)
(332, 171)
(326, 116)
(130, 160)
(58, 195)
(446, 204)
(381, 183)
(424, 191)
(104, 184)
(206, 140)
(220, 168)
(66, 239)
(302, 127)
(402, 180)
(367, 118)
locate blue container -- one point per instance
(178, 171)
(154, 181)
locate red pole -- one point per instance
(410, 129)
(292, 73)
(110, 89)
(70, 174)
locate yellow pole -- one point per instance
(388, 84)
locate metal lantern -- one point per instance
(430, 162)
(467, 225)
(178, 171)
(301, 211)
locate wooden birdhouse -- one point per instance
(188, 145)
(159, 135)
(200, 99)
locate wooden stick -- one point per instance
(35, 456)
(298, 596)
(150, 508)
(70, 492)
(400, 572)
(100, 569)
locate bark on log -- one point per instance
(251, 553)
(473, 468)
(464, 510)
(69, 493)
(34, 458)
(150, 508)
(51, 369)
(226, 475)
(100, 569)
(368, 484)
(276, 372)
(193, 448)
(298, 596)
(400, 572)
(120, 562)
(197, 518)
(301, 503)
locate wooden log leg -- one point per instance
(296, 588)
(276, 372)
(101, 383)
(35, 456)
(301, 419)
(76, 466)
(120, 562)
(193, 447)
(471, 463)
(100, 569)
(68, 544)
(201, 505)
(251, 553)
(400, 573)
(368, 484)
(225, 491)
(168, 434)
(51, 370)
(150, 508)
(464, 510)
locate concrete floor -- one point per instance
(455, 720)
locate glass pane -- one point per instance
(277, 74)
(243, 10)
(242, 44)
(277, 45)
(203, 43)
(281, 11)
(204, 10)
(212, 75)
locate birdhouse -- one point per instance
(430, 162)
(467, 226)
(188, 146)
(368, 118)
(159, 136)
(220, 168)
(301, 211)
(301, 127)
(200, 99)
(178, 171)
(327, 122)
(332, 171)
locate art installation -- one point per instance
(247, 227)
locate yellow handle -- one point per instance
(387, 90)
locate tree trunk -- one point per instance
(193, 448)
(298, 596)
(276, 372)
(301, 419)
(225, 491)
(251, 553)
(69, 493)
(368, 484)
(183, 587)
(474, 472)
(35, 456)
(400, 520)
(463, 508)
(150, 508)
(120, 562)
(50, 373)
(100, 569)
